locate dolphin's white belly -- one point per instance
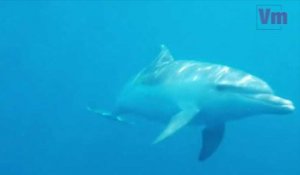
(152, 103)
(160, 103)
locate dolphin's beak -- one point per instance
(276, 104)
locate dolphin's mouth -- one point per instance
(277, 103)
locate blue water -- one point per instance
(58, 57)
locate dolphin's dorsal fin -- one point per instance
(178, 121)
(164, 57)
(211, 139)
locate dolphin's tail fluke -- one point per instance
(99, 112)
(108, 115)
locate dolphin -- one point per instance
(179, 93)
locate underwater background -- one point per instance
(58, 57)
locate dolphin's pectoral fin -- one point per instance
(178, 121)
(211, 139)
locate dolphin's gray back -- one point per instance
(220, 76)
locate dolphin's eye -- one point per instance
(221, 88)
(229, 88)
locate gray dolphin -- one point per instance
(185, 92)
